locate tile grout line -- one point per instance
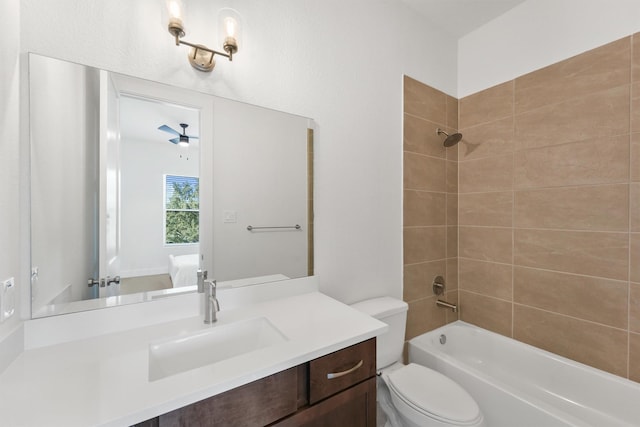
(518, 151)
(629, 210)
(458, 148)
(427, 120)
(420, 190)
(521, 113)
(550, 188)
(566, 100)
(569, 273)
(446, 185)
(513, 210)
(415, 153)
(547, 270)
(571, 317)
(564, 230)
(545, 310)
(409, 264)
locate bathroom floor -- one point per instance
(381, 417)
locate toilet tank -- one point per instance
(393, 312)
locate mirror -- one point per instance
(136, 184)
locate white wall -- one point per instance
(538, 33)
(11, 216)
(260, 174)
(339, 62)
(64, 213)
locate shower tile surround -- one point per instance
(430, 231)
(534, 217)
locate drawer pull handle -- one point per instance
(347, 372)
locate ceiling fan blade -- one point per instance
(175, 140)
(168, 129)
(194, 137)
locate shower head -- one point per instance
(452, 139)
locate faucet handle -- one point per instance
(212, 286)
(211, 304)
(202, 276)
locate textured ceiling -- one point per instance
(460, 17)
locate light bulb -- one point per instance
(175, 11)
(230, 26)
(229, 29)
(175, 26)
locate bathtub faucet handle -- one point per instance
(438, 285)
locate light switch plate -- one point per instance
(7, 299)
(230, 216)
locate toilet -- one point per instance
(413, 395)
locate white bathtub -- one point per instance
(517, 385)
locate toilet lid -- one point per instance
(433, 394)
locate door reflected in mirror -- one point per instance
(159, 198)
(135, 185)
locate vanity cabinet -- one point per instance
(333, 390)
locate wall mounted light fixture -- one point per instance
(200, 56)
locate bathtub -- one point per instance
(517, 385)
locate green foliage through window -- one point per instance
(182, 209)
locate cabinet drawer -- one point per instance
(337, 371)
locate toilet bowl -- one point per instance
(419, 396)
(424, 397)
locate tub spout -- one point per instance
(441, 303)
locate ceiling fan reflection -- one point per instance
(182, 138)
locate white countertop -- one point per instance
(104, 380)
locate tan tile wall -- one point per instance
(549, 208)
(430, 205)
(534, 219)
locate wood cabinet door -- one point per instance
(255, 404)
(354, 407)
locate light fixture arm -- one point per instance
(198, 47)
(197, 56)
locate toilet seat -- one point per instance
(433, 395)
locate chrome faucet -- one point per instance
(211, 305)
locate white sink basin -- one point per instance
(212, 345)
